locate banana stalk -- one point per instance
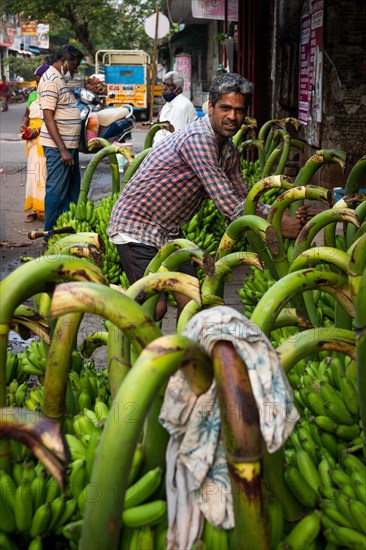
(291, 317)
(44, 438)
(351, 230)
(360, 331)
(106, 151)
(118, 358)
(133, 166)
(165, 251)
(356, 267)
(95, 143)
(321, 255)
(313, 340)
(195, 255)
(110, 304)
(236, 229)
(92, 342)
(243, 446)
(27, 321)
(271, 159)
(355, 176)
(263, 134)
(287, 143)
(244, 145)
(58, 365)
(189, 310)
(313, 164)
(89, 238)
(278, 209)
(158, 361)
(282, 291)
(149, 138)
(313, 226)
(30, 279)
(270, 182)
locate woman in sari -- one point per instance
(36, 163)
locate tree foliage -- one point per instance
(95, 24)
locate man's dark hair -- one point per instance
(228, 83)
(69, 52)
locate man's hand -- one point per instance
(66, 157)
(292, 226)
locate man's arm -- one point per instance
(49, 119)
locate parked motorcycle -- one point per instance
(114, 124)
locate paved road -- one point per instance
(13, 163)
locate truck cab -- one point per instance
(127, 77)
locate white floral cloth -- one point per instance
(198, 484)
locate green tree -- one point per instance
(95, 24)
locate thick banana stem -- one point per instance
(172, 281)
(58, 365)
(243, 446)
(309, 341)
(351, 229)
(282, 291)
(77, 238)
(158, 361)
(27, 321)
(197, 256)
(238, 227)
(134, 165)
(278, 209)
(264, 130)
(44, 438)
(165, 251)
(118, 357)
(360, 330)
(313, 164)
(270, 182)
(312, 228)
(271, 159)
(110, 304)
(32, 278)
(356, 266)
(321, 255)
(355, 176)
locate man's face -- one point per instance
(71, 66)
(227, 115)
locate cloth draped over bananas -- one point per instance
(198, 484)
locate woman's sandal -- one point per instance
(31, 218)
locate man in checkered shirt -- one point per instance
(199, 161)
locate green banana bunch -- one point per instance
(23, 506)
(206, 227)
(33, 360)
(137, 538)
(78, 476)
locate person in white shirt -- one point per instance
(178, 109)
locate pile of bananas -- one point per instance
(87, 217)
(206, 227)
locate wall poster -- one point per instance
(311, 64)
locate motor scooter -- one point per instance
(114, 124)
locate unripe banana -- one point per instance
(299, 487)
(308, 469)
(23, 506)
(57, 509)
(36, 544)
(350, 538)
(304, 532)
(149, 513)
(7, 488)
(143, 488)
(359, 484)
(7, 519)
(41, 520)
(353, 463)
(77, 449)
(331, 509)
(6, 543)
(38, 489)
(78, 477)
(349, 394)
(72, 531)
